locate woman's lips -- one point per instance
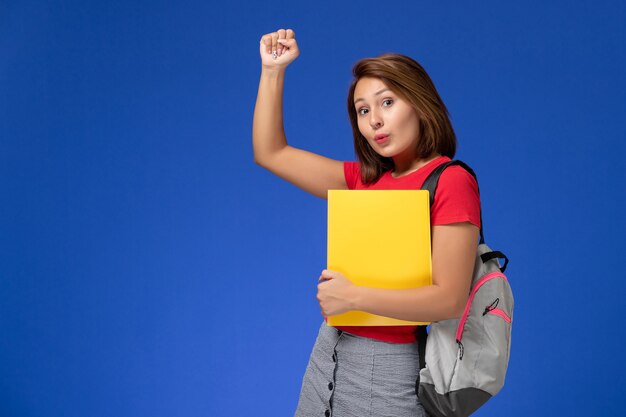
(382, 139)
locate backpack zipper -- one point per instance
(480, 283)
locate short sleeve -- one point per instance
(457, 198)
(352, 172)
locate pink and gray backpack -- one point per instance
(463, 361)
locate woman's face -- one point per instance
(381, 112)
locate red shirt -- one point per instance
(456, 200)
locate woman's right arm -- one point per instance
(313, 173)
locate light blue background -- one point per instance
(149, 268)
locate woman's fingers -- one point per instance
(270, 40)
(274, 37)
(327, 275)
(266, 40)
(287, 44)
(275, 44)
(289, 41)
(282, 33)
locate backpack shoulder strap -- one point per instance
(432, 180)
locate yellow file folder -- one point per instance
(379, 238)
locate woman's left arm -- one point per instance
(453, 255)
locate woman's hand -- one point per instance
(281, 44)
(335, 293)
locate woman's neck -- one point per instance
(402, 168)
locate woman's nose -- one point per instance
(375, 120)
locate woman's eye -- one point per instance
(360, 111)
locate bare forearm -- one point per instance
(431, 303)
(268, 134)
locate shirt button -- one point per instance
(327, 413)
(330, 386)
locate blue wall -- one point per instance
(149, 268)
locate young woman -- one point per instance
(401, 133)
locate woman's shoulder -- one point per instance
(456, 176)
(352, 165)
(457, 198)
(352, 173)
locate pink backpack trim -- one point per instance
(483, 280)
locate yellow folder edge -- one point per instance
(380, 239)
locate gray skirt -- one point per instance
(349, 375)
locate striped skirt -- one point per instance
(354, 376)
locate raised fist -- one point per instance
(278, 49)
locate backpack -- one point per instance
(463, 361)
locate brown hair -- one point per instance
(405, 77)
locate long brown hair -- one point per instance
(405, 77)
